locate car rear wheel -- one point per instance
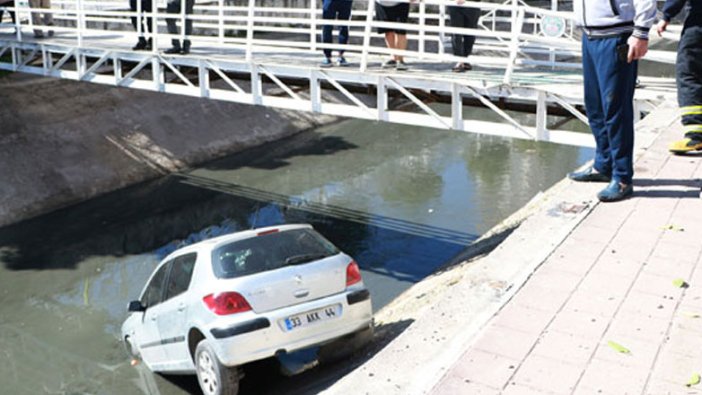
(214, 378)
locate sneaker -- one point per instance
(401, 66)
(685, 145)
(326, 63)
(459, 68)
(589, 175)
(388, 64)
(615, 192)
(341, 61)
(185, 51)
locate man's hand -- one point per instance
(661, 27)
(459, 2)
(637, 48)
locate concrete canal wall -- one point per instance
(62, 142)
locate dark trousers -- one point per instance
(146, 22)
(335, 9)
(688, 70)
(173, 7)
(467, 18)
(609, 83)
(12, 13)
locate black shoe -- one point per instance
(615, 192)
(589, 175)
(142, 45)
(185, 51)
(172, 50)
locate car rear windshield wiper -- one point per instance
(302, 258)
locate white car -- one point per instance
(214, 305)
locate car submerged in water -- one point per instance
(215, 305)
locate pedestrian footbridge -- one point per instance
(267, 52)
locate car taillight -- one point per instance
(353, 273)
(226, 303)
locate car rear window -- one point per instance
(270, 251)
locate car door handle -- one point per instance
(181, 307)
(153, 317)
(301, 293)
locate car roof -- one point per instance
(211, 244)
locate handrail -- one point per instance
(511, 29)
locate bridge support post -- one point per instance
(541, 117)
(203, 79)
(117, 66)
(315, 92)
(80, 65)
(46, 61)
(456, 107)
(382, 95)
(157, 75)
(256, 89)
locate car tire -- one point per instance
(213, 377)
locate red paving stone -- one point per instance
(612, 279)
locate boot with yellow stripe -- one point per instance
(692, 141)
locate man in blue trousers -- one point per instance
(615, 36)
(340, 10)
(688, 72)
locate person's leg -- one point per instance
(472, 15)
(617, 80)
(456, 20)
(401, 35)
(328, 12)
(13, 15)
(593, 104)
(146, 6)
(689, 81)
(344, 14)
(401, 44)
(173, 7)
(36, 16)
(48, 17)
(189, 6)
(133, 8)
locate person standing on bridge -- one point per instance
(41, 18)
(688, 70)
(144, 22)
(615, 37)
(395, 38)
(461, 44)
(174, 7)
(341, 10)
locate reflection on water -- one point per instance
(401, 200)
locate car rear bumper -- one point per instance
(265, 335)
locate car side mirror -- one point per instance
(135, 306)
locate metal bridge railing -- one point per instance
(512, 33)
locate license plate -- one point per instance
(312, 317)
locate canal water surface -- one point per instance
(401, 200)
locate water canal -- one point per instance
(401, 200)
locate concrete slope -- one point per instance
(62, 142)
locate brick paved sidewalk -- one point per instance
(610, 280)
